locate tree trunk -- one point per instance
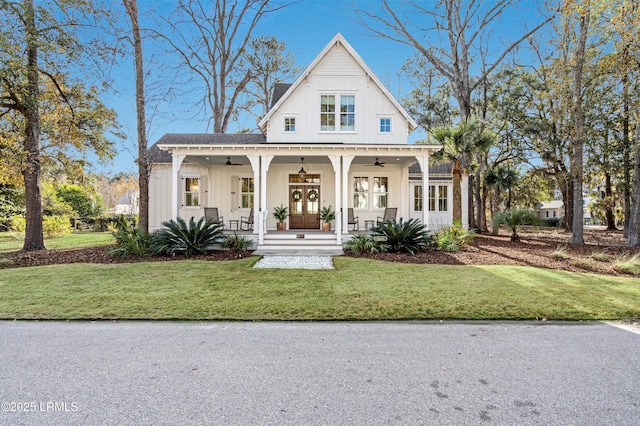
(634, 218)
(608, 195)
(579, 137)
(626, 154)
(143, 162)
(457, 193)
(33, 238)
(470, 201)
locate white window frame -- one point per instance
(242, 193)
(377, 195)
(295, 123)
(198, 192)
(361, 194)
(385, 117)
(337, 112)
(436, 200)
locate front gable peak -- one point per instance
(325, 64)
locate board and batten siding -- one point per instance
(338, 73)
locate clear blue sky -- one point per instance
(306, 28)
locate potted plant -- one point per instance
(280, 213)
(327, 215)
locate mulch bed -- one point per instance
(534, 249)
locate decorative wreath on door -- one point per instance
(296, 195)
(312, 195)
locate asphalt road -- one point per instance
(414, 373)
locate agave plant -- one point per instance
(177, 236)
(515, 218)
(402, 237)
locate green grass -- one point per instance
(9, 243)
(358, 289)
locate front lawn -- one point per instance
(358, 289)
(9, 242)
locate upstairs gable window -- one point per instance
(290, 124)
(330, 115)
(327, 113)
(385, 125)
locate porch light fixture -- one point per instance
(302, 174)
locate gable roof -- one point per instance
(278, 91)
(337, 39)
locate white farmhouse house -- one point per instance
(335, 137)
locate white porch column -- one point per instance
(346, 164)
(176, 162)
(255, 166)
(262, 216)
(423, 160)
(335, 161)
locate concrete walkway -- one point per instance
(415, 373)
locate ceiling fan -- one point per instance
(229, 163)
(377, 163)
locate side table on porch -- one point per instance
(233, 224)
(368, 224)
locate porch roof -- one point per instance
(404, 154)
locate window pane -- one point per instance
(347, 113)
(442, 198)
(417, 198)
(327, 112)
(379, 201)
(385, 125)
(360, 201)
(379, 184)
(432, 198)
(360, 192)
(290, 124)
(246, 196)
(191, 192)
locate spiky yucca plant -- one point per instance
(402, 237)
(195, 237)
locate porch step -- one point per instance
(298, 250)
(293, 243)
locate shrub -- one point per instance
(601, 256)
(130, 240)
(18, 224)
(402, 237)
(560, 253)
(195, 237)
(451, 238)
(362, 243)
(56, 226)
(628, 264)
(237, 243)
(515, 218)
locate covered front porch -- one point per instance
(246, 182)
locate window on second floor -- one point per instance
(330, 115)
(385, 125)
(289, 124)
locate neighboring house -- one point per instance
(553, 209)
(322, 144)
(128, 203)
